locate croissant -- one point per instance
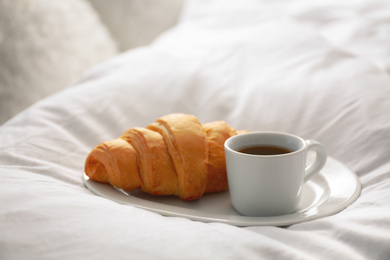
(175, 155)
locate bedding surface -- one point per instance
(318, 69)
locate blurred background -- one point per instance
(46, 45)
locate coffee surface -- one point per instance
(264, 150)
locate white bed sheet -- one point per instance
(317, 69)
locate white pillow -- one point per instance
(44, 46)
(135, 23)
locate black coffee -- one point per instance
(264, 150)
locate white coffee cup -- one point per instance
(269, 185)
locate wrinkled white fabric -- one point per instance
(256, 65)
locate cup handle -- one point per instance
(319, 162)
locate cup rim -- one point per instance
(304, 145)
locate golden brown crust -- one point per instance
(114, 162)
(175, 155)
(155, 166)
(188, 147)
(217, 133)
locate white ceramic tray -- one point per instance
(327, 193)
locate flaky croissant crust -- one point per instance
(175, 155)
